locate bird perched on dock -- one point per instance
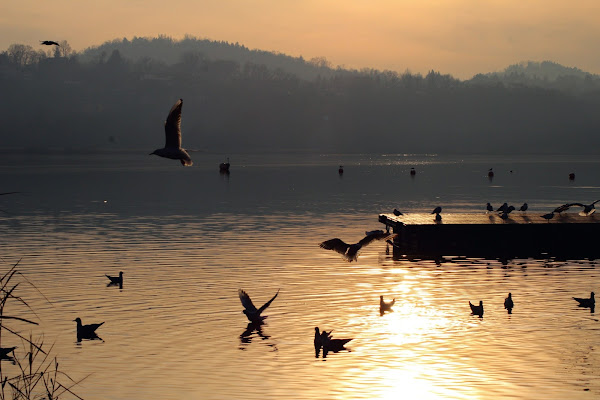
(503, 207)
(350, 251)
(437, 210)
(397, 213)
(250, 310)
(438, 217)
(508, 303)
(49, 43)
(477, 310)
(591, 302)
(489, 207)
(524, 207)
(563, 208)
(504, 214)
(548, 216)
(116, 280)
(86, 331)
(173, 149)
(385, 305)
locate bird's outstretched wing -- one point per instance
(246, 302)
(574, 204)
(374, 236)
(173, 126)
(336, 244)
(268, 303)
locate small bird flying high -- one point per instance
(49, 43)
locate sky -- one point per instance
(457, 37)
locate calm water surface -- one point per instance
(188, 238)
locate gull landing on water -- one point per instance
(250, 310)
(173, 149)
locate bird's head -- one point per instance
(78, 320)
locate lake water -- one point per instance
(188, 238)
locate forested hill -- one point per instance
(165, 50)
(104, 98)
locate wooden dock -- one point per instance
(487, 235)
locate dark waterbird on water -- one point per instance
(224, 167)
(116, 280)
(250, 310)
(477, 310)
(591, 302)
(49, 43)
(173, 149)
(412, 171)
(341, 170)
(508, 303)
(489, 207)
(385, 305)
(328, 343)
(503, 207)
(350, 251)
(86, 331)
(320, 337)
(490, 173)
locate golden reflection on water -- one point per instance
(176, 329)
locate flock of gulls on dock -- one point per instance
(322, 339)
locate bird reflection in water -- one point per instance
(509, 304)
(254, 330)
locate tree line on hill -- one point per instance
(117, 95)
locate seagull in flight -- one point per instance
(250, 310)
(350, 251)
(49, 43)
(173, 149)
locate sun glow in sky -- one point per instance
(459, 37)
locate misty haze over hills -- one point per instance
(117, 95)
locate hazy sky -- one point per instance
(459, 37)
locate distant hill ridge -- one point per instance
(543, 70)
(170, 51)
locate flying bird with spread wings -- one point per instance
(250, 310)
(173, 149)
(350, 251)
